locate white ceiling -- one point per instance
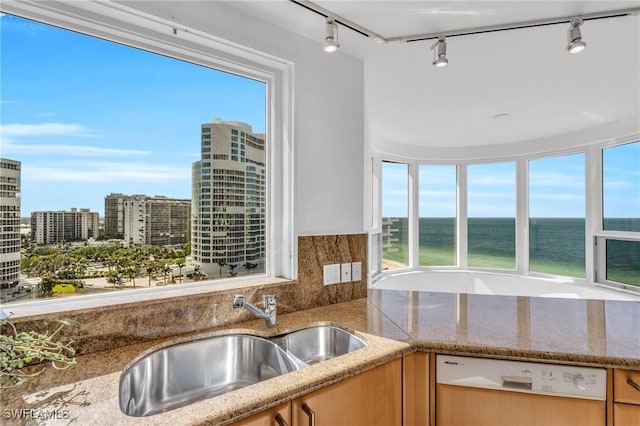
(524, 73)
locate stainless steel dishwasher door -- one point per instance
(477, 392)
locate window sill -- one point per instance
(46, 307)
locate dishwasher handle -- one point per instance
(517, 382)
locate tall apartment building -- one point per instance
(51, 227)
(144, 220)
(229, 198)
(10, 219)
(114, 213)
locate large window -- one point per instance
(621, 187)
(127, 178)
(557, 215)
(619, 250)
(395, 215)
(437, 215)
(491, 201)
(424, 224)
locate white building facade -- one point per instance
(10, 218)
(145, 220)
(51, 227)
(229, 199)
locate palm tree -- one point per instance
(250, 266)
(196, 272)
(232, 266)
(180, 264)
(166, 269)
(151, 267)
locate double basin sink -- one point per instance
(185, 373)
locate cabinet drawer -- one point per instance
(623, 391)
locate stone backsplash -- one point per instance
(140, 319)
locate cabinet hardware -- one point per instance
(633, 384)
(281, 421)
(310, 413)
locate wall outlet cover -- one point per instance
(331, 274)
(345, 277)
(356, 271)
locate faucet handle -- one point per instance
(238, 301)
(270, 301)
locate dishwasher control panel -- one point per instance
(522, 376)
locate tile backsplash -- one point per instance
(111, 326)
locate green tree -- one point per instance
(131, 272)
(180, 263)
(232, 266)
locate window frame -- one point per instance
(600, 235)
(130, 27)
(595, 235)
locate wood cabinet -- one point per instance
(416, 401)
(368, 399)
(458, 405)
(626, 398)
(269, 417)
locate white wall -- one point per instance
(328, 105)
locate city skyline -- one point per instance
(117, 119)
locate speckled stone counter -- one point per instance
(586, 332)
(603, 333)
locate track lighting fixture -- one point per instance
(440, 53)
(331, 36)
(574, 37)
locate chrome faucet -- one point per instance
(270, 308)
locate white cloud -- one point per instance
(558, 197)
(107, 172)
(556, 180)
(45, 129)
(9, 148)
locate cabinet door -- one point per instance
(416, 389)
(626, 414)
(269, 417)
(368, 399)
(626, 386)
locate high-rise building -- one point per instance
(114, 214)
(144, 220)
(170, 222)
(51, 227)
(10, 217)
(229, 198)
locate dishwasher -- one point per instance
(478, 391)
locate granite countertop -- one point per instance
(582, 332)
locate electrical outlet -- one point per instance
(346, 273)
(331, 274)
(356, 272)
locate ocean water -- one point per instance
(556, 245)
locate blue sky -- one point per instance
(88, 117)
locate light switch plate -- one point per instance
(331, 274)
(356, 271)
(345, 277)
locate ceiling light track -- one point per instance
(515, 26)
(339, 19)
(461, 32)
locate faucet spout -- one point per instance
(270, 308)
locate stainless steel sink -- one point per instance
(179, 375)
(319, 343)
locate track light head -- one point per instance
(331, 36)
(574, 37)
(440, 53)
